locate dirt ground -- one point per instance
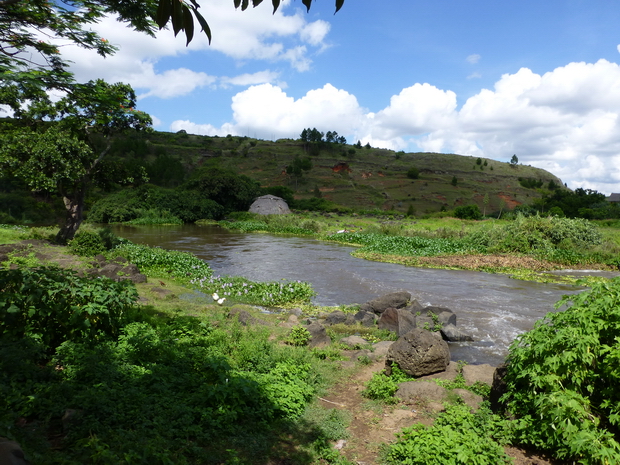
(373, 425)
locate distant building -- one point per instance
(614, 198)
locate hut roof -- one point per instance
(269, 205)
(614, 198)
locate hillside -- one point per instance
(362, 178)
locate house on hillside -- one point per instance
(613, 198)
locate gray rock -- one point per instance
(318, 336)
(393, 300)
(399, 321)
(366, 319)
(353, 341)
(478, 373)
(498, 389)
(418, 353)
(453, 334)
(472, 400)
(414, 306)
(296, 311)
(415, 391)
(245, 317)
(335, 318)
(380, 349)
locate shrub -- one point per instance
(299, 336)
(86, 244)
(413, 173)
(562, 378)
(54, 305)
(468, 212)
(458, 437)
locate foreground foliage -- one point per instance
(53, 306)
(154, 390)
(563, 378)
(458, 437)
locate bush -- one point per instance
(458, 437)
(86, 244)
(562, 379)
(54, 305)
(413, 173)
(468, 212)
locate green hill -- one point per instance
(362, 178)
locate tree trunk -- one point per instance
(74, 203)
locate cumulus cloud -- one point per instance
(566, 121)
(254, 34)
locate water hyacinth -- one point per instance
(270, 294)
(402, 245)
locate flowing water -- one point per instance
(494, 309)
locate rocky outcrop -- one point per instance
(116, 269)
(397, 320)
(418, 352)
(393, 300)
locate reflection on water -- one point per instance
(493, 308)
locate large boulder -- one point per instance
(393, 300)
(418, 353)
(452, 334)
(318, 336)
(397, 320)
(269, 205)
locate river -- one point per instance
(493, 308)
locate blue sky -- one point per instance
(484, 78)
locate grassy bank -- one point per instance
(525, 247)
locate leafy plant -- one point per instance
(54, 305)
(383, 387)
(299, 336)
(458, 437)
(562, 378)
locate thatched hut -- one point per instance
(269, 205)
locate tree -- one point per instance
(514, 161)
(298, 166)
(59, 146)
(413, 173)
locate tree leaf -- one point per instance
(339, 4)
(164, 10)
(308, 3)
(177, 17)
(188, 24)
(276, 4)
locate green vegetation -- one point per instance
(457, 437)
(120, 383)
(563, 375)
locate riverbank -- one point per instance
(525, 248)
(358, 428)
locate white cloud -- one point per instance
(473, 59)
(261, 77)
(254, 34)
(566, 121)
(171, 83)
